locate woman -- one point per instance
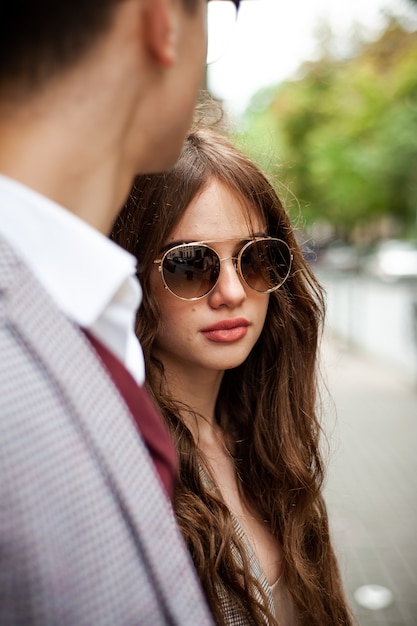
(230, 325)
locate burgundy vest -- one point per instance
(145, 414)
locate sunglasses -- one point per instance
(190, 271)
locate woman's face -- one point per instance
(218, 331)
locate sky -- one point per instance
(272, 38)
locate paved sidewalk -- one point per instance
(371, 489)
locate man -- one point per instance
(91, 92)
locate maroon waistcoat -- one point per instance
(146, 416)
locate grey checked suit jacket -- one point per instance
(87, 536)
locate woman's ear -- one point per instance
(160, 30)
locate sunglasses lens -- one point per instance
(191, 271)
(266, 264)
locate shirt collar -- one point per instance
(80, 268)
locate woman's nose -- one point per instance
(229, 290)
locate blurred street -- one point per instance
(371, 490)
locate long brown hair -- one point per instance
(269, 400)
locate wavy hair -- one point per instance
(269, 401)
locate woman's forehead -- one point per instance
(218, 212)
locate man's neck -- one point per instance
(68, 141)
(74, 163)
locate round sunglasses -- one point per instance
(190, 271)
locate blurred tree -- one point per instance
(347, 133)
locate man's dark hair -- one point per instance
(40, 38)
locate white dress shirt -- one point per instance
(91, 279)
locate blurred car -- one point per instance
(393, 260)
(339, 256)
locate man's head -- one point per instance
(39, 40)
(93, 92)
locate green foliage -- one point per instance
(347, 133)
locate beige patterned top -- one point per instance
(280, 602)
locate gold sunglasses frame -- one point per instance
(236, 263)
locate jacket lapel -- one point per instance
(91, 400)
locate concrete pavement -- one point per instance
(371, 489)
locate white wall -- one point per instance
(379, 318)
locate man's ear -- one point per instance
(160, 30)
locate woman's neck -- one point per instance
(198, 391)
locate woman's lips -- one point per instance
(226, 331)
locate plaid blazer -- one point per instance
(87, 536)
